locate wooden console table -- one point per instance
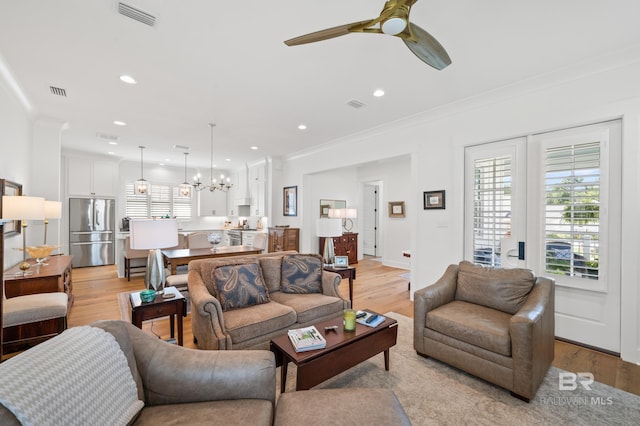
(55, 276)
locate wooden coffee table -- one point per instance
(344, 350)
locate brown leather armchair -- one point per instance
(497, 324)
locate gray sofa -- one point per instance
(497, 324)
(172, 385)
(252, 327)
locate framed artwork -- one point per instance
(396, 208)
(434, 200)
(341, 262)
(290, 201)
(10, 188)
(325, 205)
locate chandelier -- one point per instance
(224, 184)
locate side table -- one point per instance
(346, 272)
(160, 307)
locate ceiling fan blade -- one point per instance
(327, 33)
(427, 48)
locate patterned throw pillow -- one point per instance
(301, 273)
(240, 286)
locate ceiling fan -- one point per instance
(393, 20)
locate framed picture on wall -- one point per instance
(396, 208)
(10, 188)
(290, 201)
(434, 200)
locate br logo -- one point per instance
(569, 381)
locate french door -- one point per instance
(550, 202)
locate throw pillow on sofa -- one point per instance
(301, 273)
(240, 286)
(502, 289)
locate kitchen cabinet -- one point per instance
(283, 239)
(344, 245)
(212, 203)
(258, 189)
(91, 177)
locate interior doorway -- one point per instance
(370, 219)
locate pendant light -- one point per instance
(141, 186)
(185, 187)
(223, 186)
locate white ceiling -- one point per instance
(225, 62)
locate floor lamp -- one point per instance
(154, 235)
(19, 207)
(328, 228)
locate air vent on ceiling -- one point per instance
(182, 147)
(354, 103)
(107, 137)
(58, 91)
(136, 14)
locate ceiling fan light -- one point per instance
(394, 26)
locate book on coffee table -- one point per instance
(306, 339)
(371, 319)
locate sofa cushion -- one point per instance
(310, 307)
(271, 271)
(301, 273)
(240, 286)
(96, 379)
(502, 289)
(474, 324)
(230, 412)
(259, 320)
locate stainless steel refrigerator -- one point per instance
(92, 231)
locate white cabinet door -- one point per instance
(87, 177)
(212, 203)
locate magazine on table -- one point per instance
(370, 319)
(306, 339)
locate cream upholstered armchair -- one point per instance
(497, 324)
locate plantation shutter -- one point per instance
(160, 200)
(491, 207)
(136, 205)
(572, 209)
(181, 205)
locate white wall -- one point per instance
(584, 93)
(15, 143)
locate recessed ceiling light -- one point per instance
(113, 143)
(128, 79)
(119, 123)
(167, 160)
(254, 147)
(227, 159)
(378, 93)
(111, 153)
(161, 164)
(302, 126)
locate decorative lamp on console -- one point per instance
(52, 210)
(154, 235)
(346, 215)
(18, 207)
(328, 228)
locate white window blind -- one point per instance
(162, 200)
(572, 209)
(492, 207)
(136, 205)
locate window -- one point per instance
(491, 208)
(572, 209)
(162, 200)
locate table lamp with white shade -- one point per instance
(52, 210)
(153, 235)
(23, 208)
(346, 215)
(328, 228)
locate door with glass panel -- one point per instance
(551, 202)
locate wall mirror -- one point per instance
(325, 205)
(10, 188)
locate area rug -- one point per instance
(433, 393)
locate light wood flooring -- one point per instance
(377, 287)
